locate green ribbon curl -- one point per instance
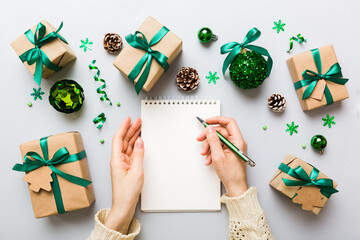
(311, 78)
(299, 38)
(36, 54)
(140, 42)
(100, 119)
(97, 78)
(33, 160)
(235, 48)
(303, 179)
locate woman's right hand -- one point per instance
(228, 166)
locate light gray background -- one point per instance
(322, 22)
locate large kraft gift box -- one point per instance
(58, 52)
(311, 196)
(73, 196)
(170, 46)
(305, 61)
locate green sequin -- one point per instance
(66, 96)
(248, 70)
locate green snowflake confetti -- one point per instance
(37, 94)
(86, 45)
(329, 121)
(292, 128)
(212, 77)
(279, 26)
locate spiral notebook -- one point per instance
(176, 177)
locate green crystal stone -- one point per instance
(318, 142)
(66, 96)
(248, 70)
(205, 35)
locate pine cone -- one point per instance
(277, 103)
(112, 42)
(187, 79)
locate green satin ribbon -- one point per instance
(38, 56)
(97, 78)
(100, 119)
(299, 38)
(311, 78)
(235, 48)
(325, 184)
(33, 160)
(141, 43)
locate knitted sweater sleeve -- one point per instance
(101, 232)
(247, 220)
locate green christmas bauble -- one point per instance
(66, 96)
(248, 70)
(318, 142)
(205, 35)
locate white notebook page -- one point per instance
(176, 177)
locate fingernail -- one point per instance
(139, 143)
(210, 129)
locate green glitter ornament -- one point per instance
(66, 96)
(248, 70)
(319, 142)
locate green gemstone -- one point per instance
(118, 104)
(29, 104)
(264, 127)
(102, 141)
(248, 70)
(66, 96)
(318, 142)
(205, 35)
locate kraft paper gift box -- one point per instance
(42, 183)
(58, 52)
(312, 196)
(325, 89)
(170, 46)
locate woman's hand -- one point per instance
(127, 174)
(229, 167)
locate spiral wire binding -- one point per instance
(178, 100)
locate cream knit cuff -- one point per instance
(102, 232)
(244, 206)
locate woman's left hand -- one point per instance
(127, 174)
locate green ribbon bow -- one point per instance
(38, 56)
(62, 156)
(141, 43)
(101, 119)
(311, 78)
(325, 184)
(234, 48)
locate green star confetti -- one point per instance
(300, 39)
(102, 141)
(279, 26)
(212, 77)
(329, 121)
(86, 45)
(264, 127)
(303, 146)
(29, 104)
(118, 104)
(37, 93)
(292, 128)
